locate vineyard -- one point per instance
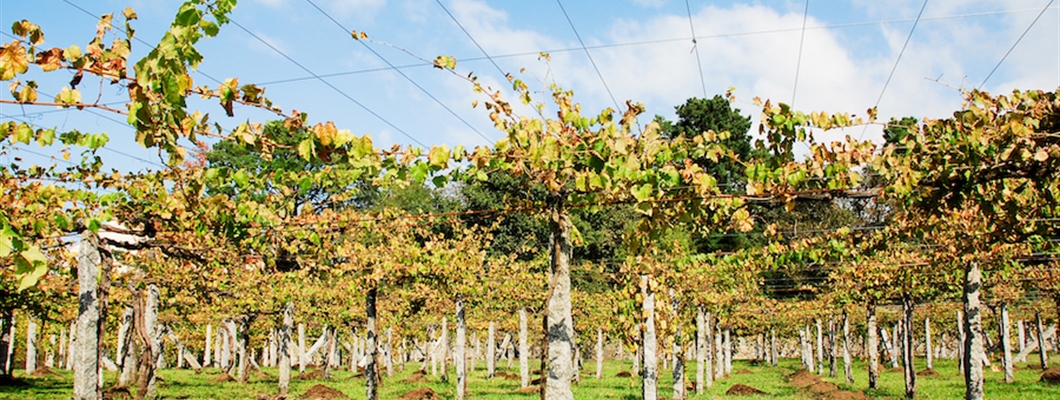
(584, 254)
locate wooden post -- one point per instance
(86, 354)
(974, 354)
(649, 374)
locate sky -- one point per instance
(834, 56)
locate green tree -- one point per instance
(697, 116)
(316, 193)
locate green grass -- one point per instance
(184, 384)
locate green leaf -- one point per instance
(30, 266)
(305, 149)
(642, 192)
(439, 156)
(241, 178)
(418, 172)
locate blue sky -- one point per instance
(642, 49)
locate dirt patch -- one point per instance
(843, 395)
(1033, 366)
(43, 371)
(416, 377)
(321, 392)
(624, 374)
(508, 375)
(1051, 376)
(262, 375)
(928, 372)
(420, 394)
(529, 390)
(117, 392)
(311, 375)
(742, 390)
(744, 372)
(896, 370)
(802, 378)
(821, 387)
(224, 377)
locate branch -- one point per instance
(66, 105)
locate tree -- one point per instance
(698, 116)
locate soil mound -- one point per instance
(508, 375)
(843, 395)
(1051, 376)
(311, 375)
(416, 377)
(928, 372)
(321, 392)
(742, 390)
(744, 372)
(117, 392)
(802, 378)
(897, 370)
(624, 374)
(420, 394)
(529, 389)
(43, 371)
(821, 387)
(224, 377)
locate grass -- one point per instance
(184, 384)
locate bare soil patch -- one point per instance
(43, 371)
(745, 372)
(928, 372)
(116, 393)
(821, 387)
(224, 377)
(416, 377)
(742, 390)
(321, 392)
(843, 395)
(802, 378)
(420, 394)
(529, 389)
(311, 375)
(624, 374)
(1051, 376)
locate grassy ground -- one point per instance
(183, 384)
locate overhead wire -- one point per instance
(659, 41)
(896, 61)
(461, 26)
(798, 62)
(695, 47)
(326, 83)
(1018, 40)
(589, 55)
(395, 69)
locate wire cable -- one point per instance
(798, 62)
(667, 40)
(395, 69)
(1015, 44)
(587, 54)
(326, 83)
(896, 61)
(451, 16)
(695, 47)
